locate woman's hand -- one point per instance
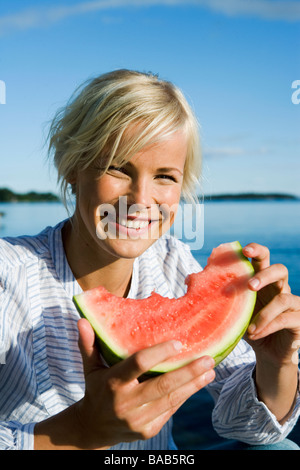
(117, 407)
(274, 332)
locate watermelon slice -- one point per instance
(209, 319)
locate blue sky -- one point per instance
(235, 60)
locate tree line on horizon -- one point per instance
(7, 195)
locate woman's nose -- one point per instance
(140, 193)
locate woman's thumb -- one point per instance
(89, 352)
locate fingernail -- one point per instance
(209, 375)
(208, 363)
(177, 345)
(249, 250)
(251, 328)
(254, 283)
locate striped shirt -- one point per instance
(41, 368)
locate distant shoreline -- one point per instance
(250, 197)
(7, 195)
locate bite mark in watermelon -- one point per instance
(209, 319)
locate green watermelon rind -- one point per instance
(249, 307)
(112, 355)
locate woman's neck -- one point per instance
(94, 267)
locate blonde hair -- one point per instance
(114, 116)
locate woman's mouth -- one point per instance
(124, 224)
(133, 223)
(120, 226)
(134, 227)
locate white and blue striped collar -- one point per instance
(62, 267)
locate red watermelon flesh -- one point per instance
(208, 320)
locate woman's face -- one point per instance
(126, 209)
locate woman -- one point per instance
(129, 140)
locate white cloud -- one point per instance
(39, 17)
(285, 10)
(265, 9)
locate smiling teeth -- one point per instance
(134, 223)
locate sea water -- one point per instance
(275, 224)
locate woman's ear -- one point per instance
(72, 178)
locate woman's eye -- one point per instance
(116, 168)
(167, 177)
